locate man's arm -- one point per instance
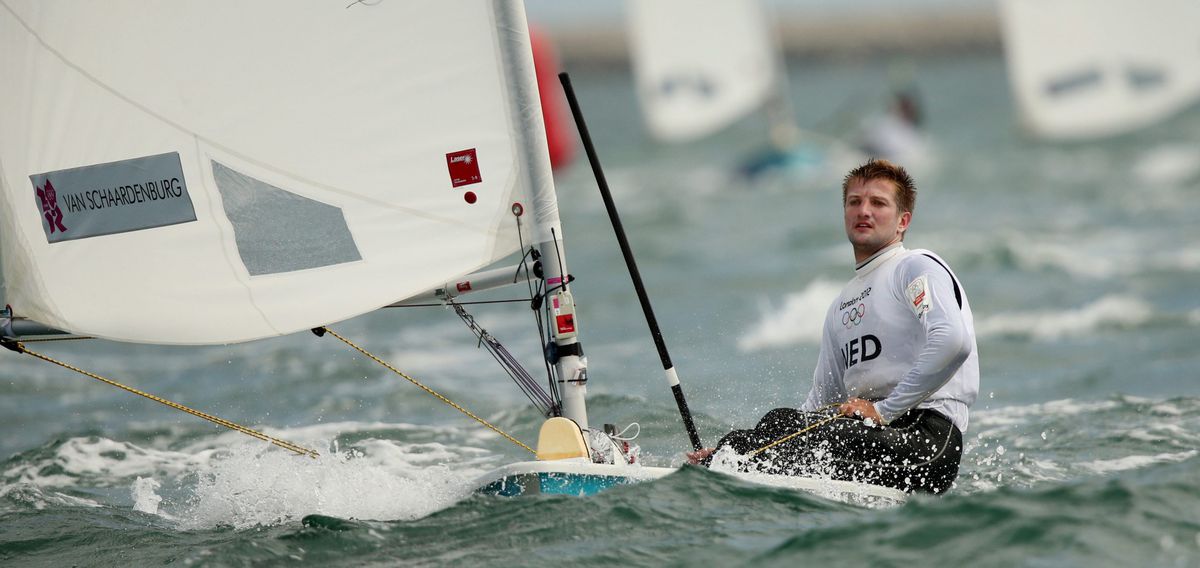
(929, 290)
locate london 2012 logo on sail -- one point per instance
(50, 210)
(96, 200)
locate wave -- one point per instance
(1136, 462)
(1081, 250)
(799, 320)
(1168, 164)
(1064, 440)
(1112, 311)
(1090, 522)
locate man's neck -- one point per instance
(887, 251)
(861, 256)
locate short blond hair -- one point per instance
(906, 190)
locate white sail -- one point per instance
(1082, 69)
(220, 171)
(700, 65)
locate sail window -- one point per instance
(1072, 83)
(1145, 78)
(279, 231)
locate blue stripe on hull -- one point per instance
(550, 483)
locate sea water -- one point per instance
(1082, 262)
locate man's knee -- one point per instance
(781, 419)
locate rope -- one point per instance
(797, 433)
(525, 382)
(20, 347)
(425, 388)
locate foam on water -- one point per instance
(101, 462)
(41, 499)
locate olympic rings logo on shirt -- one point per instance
(854, 316)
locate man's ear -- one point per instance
(905, 219)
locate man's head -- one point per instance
(878, 198)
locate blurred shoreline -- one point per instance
(849, 35)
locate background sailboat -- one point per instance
(1081, 70)
(700, 67)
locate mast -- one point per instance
(781, 116)
(567, 352)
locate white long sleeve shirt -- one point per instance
(900, 334)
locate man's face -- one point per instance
(873, 219)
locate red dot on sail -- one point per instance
(470, 196)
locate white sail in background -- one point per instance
(193, 172)
(699, 65)
(1081, 68)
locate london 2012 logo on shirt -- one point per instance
(854, 316)
(49, 201)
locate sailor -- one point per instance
(898, 368)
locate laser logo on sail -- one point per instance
(464, 167)
(50, 210)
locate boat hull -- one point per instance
(582, 478)
(563, 477)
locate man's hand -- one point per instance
(861, 409)
(698, 456)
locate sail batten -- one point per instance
(332, 160)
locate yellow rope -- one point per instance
(806, 429)
(428, 390)
(220, 421)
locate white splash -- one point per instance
(798, 321)
(227, 481)
(249, 488)
(145, 496)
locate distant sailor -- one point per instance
(898, 368)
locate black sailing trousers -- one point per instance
(918, 451)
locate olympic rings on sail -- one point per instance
(854, 316)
